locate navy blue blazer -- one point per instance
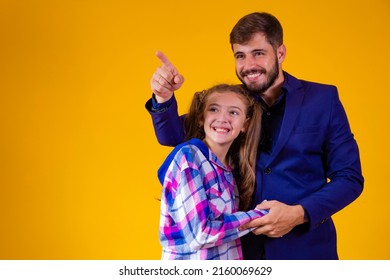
(315, 163)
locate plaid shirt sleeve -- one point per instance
(190, 208)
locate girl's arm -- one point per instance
(191, 210)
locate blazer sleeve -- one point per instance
(342, 166)
(168, 125)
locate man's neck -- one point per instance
(273, 93)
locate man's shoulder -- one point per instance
(296, 83)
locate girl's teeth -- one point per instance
(221, 129)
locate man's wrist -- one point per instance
(303, 217)
(160, 106)
(162, 100)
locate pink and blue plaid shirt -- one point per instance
(198, 218)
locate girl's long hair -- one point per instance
(243, 151)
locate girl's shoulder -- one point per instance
(191, 152)
(190, 148)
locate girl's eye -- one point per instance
(234, 113)
(213, 109)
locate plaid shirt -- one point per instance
(198, 218)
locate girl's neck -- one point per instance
(220, 151)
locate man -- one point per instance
(308, 165)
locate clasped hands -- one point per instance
(280, 220)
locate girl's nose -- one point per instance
(223, 117)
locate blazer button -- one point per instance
(267, 170)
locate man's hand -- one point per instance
(165, 80)
(281, 219)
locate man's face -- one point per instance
(257, 65)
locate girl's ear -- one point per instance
(245, 126)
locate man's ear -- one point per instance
(281, 53)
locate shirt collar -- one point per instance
(208, 153)
(288, 85)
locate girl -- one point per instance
(199, 218)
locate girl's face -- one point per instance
(224, 118)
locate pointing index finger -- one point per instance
(163, 58)
(166, 63)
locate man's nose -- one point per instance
(249, 62)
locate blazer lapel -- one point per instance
(294, 98)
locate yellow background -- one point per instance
(78, 155)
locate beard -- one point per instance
(271, 77)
